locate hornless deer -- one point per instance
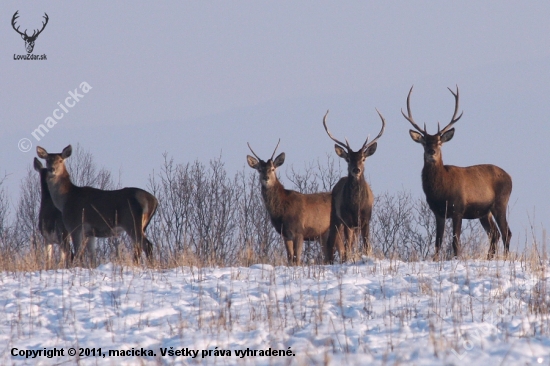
(474, 192)
(352, 197)
(50, 221)
(296, 216)
(90, 212)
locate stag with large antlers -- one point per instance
(29, 40)
(90, 212)
(352, 198)
(50, 221)
(296, 216)
(474, 192)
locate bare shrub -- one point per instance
(27, 235)
(393, 223)
(85, 172)
(6, 242)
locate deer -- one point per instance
(90, 212)
(474, 192)
(352, 198)
(294, 215)
(50, 221)
(29, 40)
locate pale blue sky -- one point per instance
(196, 79)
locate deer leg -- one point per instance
(49, 255)
(90, 248)
(289, 251)
(333, 242)
(491, 230)
(298, 245)
(457, 228)
(76, 235)
(67, 255)
(148, 248)
(342, 242)
(439, 232)
(500, 218)
(138, 247)
(328, 248)
(348, 237)
(365, 234)
(323, 239)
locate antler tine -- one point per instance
(455, 118)
(43, 23)
(367, 143)
(257, 157)
(275, 149)
(410, 117)
(13, 19)
(332, 137)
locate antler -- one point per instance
(275, 149)
(367, 144)
(15, 16)
(455, 118)
(410, 117)
(257, 157)
(346, 145)
(36, 31)
(43, 26)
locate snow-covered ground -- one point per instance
(376, 312)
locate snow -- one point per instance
(374, 312)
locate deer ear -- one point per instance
(417, 137)
(41, 152)
(340, 152)
(370, 150)
(447, 136)
(279, 160)
(67, 152)
(252, 162)
(37, 165)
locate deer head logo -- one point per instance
(29, 40)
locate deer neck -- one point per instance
(60, 186)
(434, 176)
(274, 197)
(356, 190)
(44, 190)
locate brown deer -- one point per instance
(474, 192)
(50, 221)
(352, 198)
(90, 212)
(296, 216)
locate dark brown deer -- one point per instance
(352, 198)
(296, 216)
(474, 192)
(90, 212)
(50, 221)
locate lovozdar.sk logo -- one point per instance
(29, 39)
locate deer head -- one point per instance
(29, 40)
(432, 143)
(266, 168)
(55, 163)
(355, 159)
